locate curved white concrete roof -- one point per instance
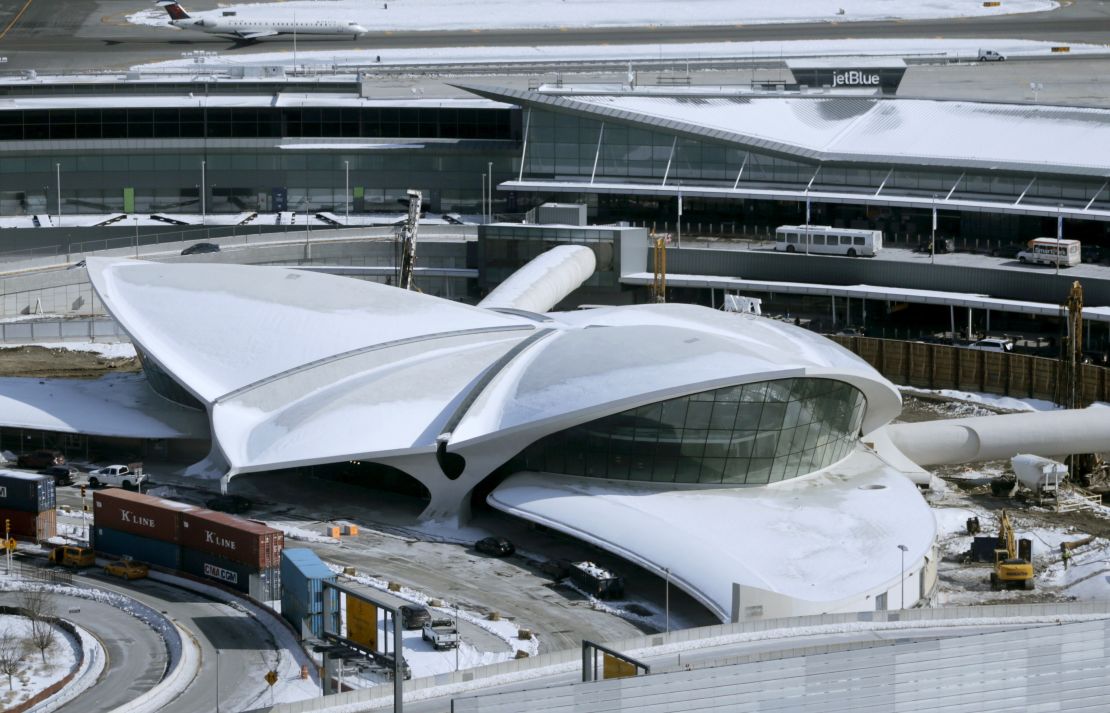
(299, 368)
(821, 540)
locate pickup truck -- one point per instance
(121, 475)
(441, 633)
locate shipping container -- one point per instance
(126, 511)
(597, 581)
(37, 526)
(26, 491)
(243, 541)
(262, 583)
(141, 549)
(302, 578)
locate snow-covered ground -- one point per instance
(994, 401)
(422, 657)
(34, 675)
(108, 350)
(939, 48)
(406, 15)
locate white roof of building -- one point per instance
(299, 367)
(885, 130)
(819, 539)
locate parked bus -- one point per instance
(1050, 251)
(826, 240)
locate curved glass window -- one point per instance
(751, 434)
(164, 384)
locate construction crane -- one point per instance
(1069, 392)
(1011, 569)
(659, 260)
(408, 238)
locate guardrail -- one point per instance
(571, 659)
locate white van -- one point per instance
(992, 344)
(991, 56)
(1050, 251)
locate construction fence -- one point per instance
(940, 366)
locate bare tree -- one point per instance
(11, 655)
(38, 606)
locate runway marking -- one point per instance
(16, 18)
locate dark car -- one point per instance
(1090, 253)
(234, 504)
(37, 460)
(414, 616)
(496, 546)
(1009, 251)
(62, 474)
(199, 248)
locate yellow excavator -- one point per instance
(1011, 571)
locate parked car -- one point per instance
(414, 616)
(496, 546)
(37, 460)
(234, 504)
(993, 344)
(1009, 250)
(62, 474)
(200, 248)
(127, 569)
(1091, 253)
(986, 55)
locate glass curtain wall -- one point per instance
(741, 435)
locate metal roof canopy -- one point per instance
(894, 294)
(801, 194)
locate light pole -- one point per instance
(484, 198)
(203, 191)
(933, 240)
(217, 681)
(136, 237)
(347, 192)
(459, 642)
(902, 574)
(489, 192)
(1059, 233)
(667, 598)
(58, 179)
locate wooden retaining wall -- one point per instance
(939, 366)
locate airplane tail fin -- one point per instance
(175, 11)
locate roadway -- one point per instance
(71, 34)
(137, 656)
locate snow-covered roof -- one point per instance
(298, 367)
(871, 129)
(119, 405)
(821, 539)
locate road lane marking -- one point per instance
(16, 18)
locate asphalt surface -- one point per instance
(82, 34)
(135, 655)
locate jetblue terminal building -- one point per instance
(749, 157)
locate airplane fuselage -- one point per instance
(255, 29)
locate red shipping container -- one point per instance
(138, 514)
(37, 526)
(243, 541)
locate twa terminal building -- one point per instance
(751, 459)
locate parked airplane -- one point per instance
(230, 22)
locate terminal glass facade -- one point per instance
(741, 435)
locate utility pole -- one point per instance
(902, 574)
(203, 192)
(347, 192)
(58, 177)
(667, 598)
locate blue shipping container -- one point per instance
(27, 492)
(302, 578)
(137, 547)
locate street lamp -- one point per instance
(489, 193)
(484, 198)
(902, 574)
(347, 192)
(58, 178)
(667, 598)
(203, 191)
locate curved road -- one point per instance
(77, 34)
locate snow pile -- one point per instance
(35, 674)
(115, 350)
(93, 662)
(294, 532)
(1007, 403)
(460, 15)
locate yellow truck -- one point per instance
(70, 556)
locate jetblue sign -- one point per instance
(855, 78)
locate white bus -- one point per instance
(826, 240)
(1050, 251)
